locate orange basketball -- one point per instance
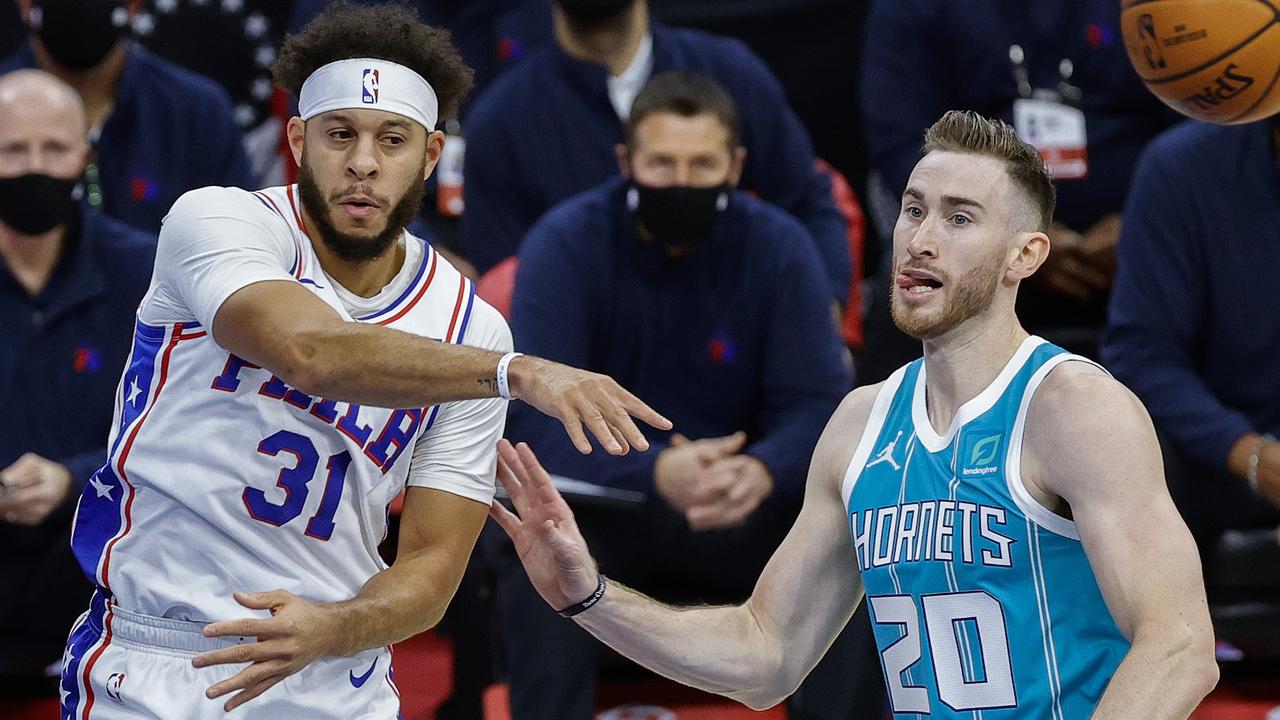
(1214, 60)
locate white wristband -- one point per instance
(504, 388)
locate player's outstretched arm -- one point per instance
(281, 326)
(1089, 441)
(757, 652)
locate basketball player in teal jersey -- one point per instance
(1000, 503)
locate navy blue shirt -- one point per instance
(546, 130)
(170, 131)
(737, 335)
(1194, 326)
(924, 57)
(63, 350)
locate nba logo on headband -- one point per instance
(369, 86)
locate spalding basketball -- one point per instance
(1214, 60)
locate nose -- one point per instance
(363, 161)
(922, 242)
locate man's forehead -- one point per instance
(39, 101)
(366, 118)
(670, 127)
(943, 173)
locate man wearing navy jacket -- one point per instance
(70, 280)
(1193, 327)
(712, 304)
(158, 130)
(546, 129)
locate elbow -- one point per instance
(1202, 671)
(774, 683)
(302, 364)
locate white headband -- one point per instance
(368, 83)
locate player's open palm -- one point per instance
(543, 529)
(579, 397)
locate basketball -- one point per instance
(1213, 60)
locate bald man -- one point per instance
(70, 280)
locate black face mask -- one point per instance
(78, 33)
(593, 11)
(33, 204)
(679, 218)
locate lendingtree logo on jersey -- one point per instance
(982, 456)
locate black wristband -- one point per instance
(585, 605)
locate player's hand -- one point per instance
(1067, 271)
(577, 397)
(31, 488)
(745, 482)
(297, 633)
(543, 530)
(679, 473)
(1269, 473)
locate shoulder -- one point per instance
(215, 201)
(161, 74)
(1192, 148)
(1081, 423)
(774, 237)
(704, 45)
(843, 433)
(491, 329)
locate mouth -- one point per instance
(917, 283)
(359, 206)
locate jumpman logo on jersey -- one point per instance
(886, 454)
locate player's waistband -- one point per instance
(162, 634)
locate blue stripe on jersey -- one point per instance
(135, 385)
(982, 605)
(84, 635)
(466, 317)
(426, 257)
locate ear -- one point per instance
(737, 164)
(1028, 253)
(623, 158)
(296, 131)
(435, 147)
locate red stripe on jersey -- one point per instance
(88, 667)
(175, 338)
(435, 260)
(457, 308)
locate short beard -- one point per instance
(972, 295)
(354, 248)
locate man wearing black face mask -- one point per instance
(69, 282)
(716, 305)
(158, 130)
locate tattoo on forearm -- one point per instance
(490, 384)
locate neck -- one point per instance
(613, 43)
(31, 258)
(96, 86)
(964, 361)
(361, 278)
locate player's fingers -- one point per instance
(244, 653)
(263, 600)
(676, 440)
(638, 409)
(622, 425)
(590, 414)
(506, 519)
(244, 627)
(253, 692)
(258, 676)
(516, 489)
(573, 427)
(537, 476)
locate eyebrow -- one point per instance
(947, 199)
(348, 120)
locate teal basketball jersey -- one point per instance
(982, 601)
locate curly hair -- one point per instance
(387, 32)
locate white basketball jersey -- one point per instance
(220, 477)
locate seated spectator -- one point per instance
(712, 306)
(158, 130)
(546, 129)
(1193, 327)
(924, 57)
(70, 280)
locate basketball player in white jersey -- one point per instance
(298, 361)
(1078, 486)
